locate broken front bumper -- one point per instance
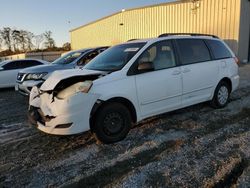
(62, 116)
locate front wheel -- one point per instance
(112, 123)
(221, 95)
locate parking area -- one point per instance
(193, 147)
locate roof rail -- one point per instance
(191, 34)
(132, 40)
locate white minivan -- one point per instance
(133, 81)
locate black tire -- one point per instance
(216, 101)
(112, 123)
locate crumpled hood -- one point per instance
(57, 76)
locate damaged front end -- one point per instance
(63, 107)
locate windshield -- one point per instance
(68, 58)
(114, 58)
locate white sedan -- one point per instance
(10, 68)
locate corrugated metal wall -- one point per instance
(219, 17)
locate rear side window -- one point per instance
(29, 63)
(192, 51)
(218, 49)
(21, 64)
(11, 65)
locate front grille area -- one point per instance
(20, 77)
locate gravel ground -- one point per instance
(193, 147)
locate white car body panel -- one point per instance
(35, 99)
(196, 89)
(8, 78)
(125, 88)
(77, 108)
(168, 95)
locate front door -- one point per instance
(159, 90)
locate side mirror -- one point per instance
(145, 67)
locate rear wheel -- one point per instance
(112, 123)
(221, 95)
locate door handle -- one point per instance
(186, 70)
(176, 72)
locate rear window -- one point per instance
(218, 49)
(192, 51)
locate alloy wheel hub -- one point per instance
(223, 95)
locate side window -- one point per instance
(87, 58)
(28, 63)
(159, 55)
(192, 51)
(218, 49)
(23, 64)
(11, 65)
(35, 63)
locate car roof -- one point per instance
(89, 49)
(81, 50)
(29, 59)
(5, 61)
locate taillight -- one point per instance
(237, 61)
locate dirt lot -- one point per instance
(193, 147)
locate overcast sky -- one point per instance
(59, 16)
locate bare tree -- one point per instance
(29, 37)
(6, 37)
(15, 34)
(66, 46)
(23, 40)
(38, 39)
(49, 41)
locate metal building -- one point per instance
(228, 19)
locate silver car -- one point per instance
(30, 77)
(10, 68)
